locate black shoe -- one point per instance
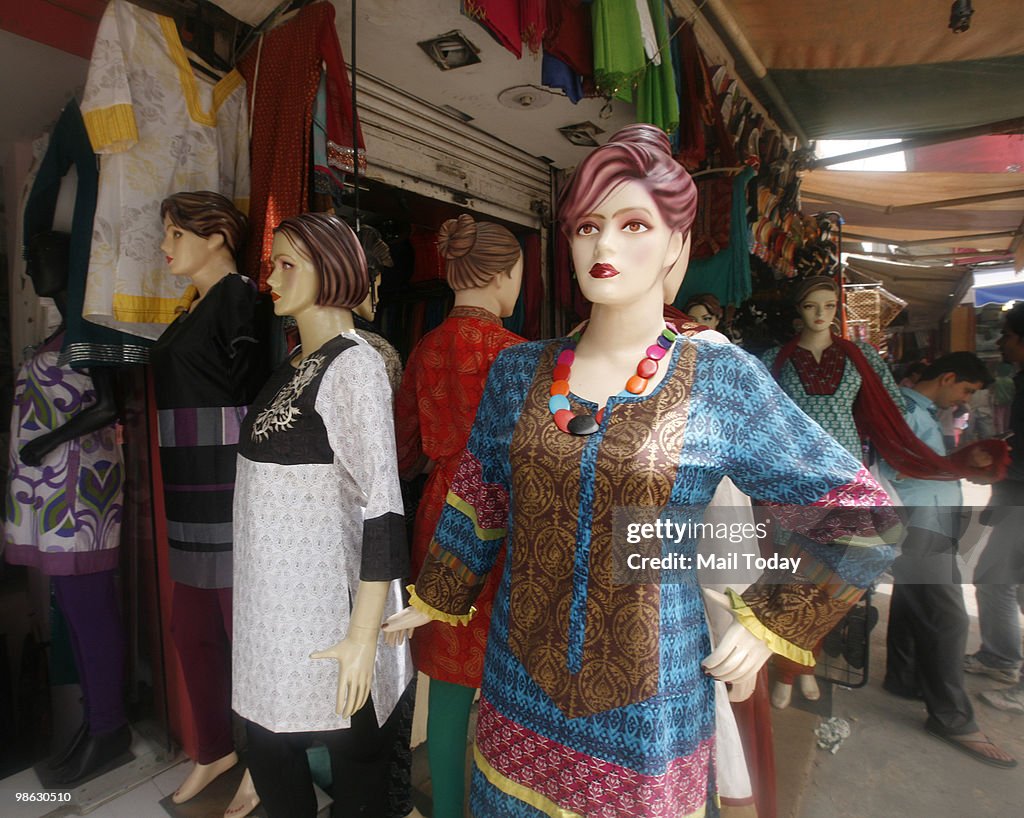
(95, 755)
(62, 757)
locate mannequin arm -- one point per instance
(401, 625)
(738, 657)
(358, 650)
(100, 414)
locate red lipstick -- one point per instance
(169, 259)
(603, 271)
(274, 296)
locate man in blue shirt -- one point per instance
(927, 620)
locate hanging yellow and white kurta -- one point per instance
(160, 130)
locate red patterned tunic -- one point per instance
(434, 410)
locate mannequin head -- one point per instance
(317, 262)
(628, 209)
(46, 256)
(482, 256)
(203, 232)
(705, 309)
(378, 255)
(817, 300)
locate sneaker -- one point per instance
(1009, 676)
(1010, 699)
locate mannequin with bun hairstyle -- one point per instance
(434, 413)
(847, 388)
(208, 365)
(595, 667)
(320, 546)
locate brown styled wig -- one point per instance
(336, 255)
(708, 301)
(475, 252)
(206, 214)
(812, 284)
(639, 153)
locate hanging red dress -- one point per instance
(282, 74)
(434, 411)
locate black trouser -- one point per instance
(928, 625)
(360, 771)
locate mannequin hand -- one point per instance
(980, 459)
(355, 655)
(33, 452)
(738, 657)
(401, 625)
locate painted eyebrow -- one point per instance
(618, 213)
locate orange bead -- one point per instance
(560, 388)
(636, 385)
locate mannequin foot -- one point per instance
(245, 800)
(782, 695)
(94, 755)
(809, 688)
(63, 756)
(201, 776)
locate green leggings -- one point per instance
(447, 726)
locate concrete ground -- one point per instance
(890, 766)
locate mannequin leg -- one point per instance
(400, 764)
(447, 726)
(360, 764)
(280, 772)
(201, 629)
(89, 604)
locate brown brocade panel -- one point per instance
(636, 465)
(442, 588)
(801, 613)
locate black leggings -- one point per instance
(360, 771)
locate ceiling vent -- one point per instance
(581, 134)
(524, 97)
(451, 50)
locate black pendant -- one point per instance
(582, 425)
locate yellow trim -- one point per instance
(185, 302)
(778, 644)
(434, 613)
(535, 799)
(483, 533)
(112, 129)
(221, 91)
(524, 794)
(142, 309)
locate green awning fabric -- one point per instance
(903, 101)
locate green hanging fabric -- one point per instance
(619, 59)
(657, 100)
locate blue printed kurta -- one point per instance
(593, 699)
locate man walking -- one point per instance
(927, 620)
(1000, 573)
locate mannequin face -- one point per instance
(623, 249)
(367, 310)
(702, 315)
(294, 283)
(818, 310)
(186, 252)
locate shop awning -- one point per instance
(930, 290)
(927, 214)
(877, 68)
(1000, 294)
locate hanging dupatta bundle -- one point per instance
(880, 420)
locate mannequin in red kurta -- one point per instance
(434, 411)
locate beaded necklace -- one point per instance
(586, 424)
